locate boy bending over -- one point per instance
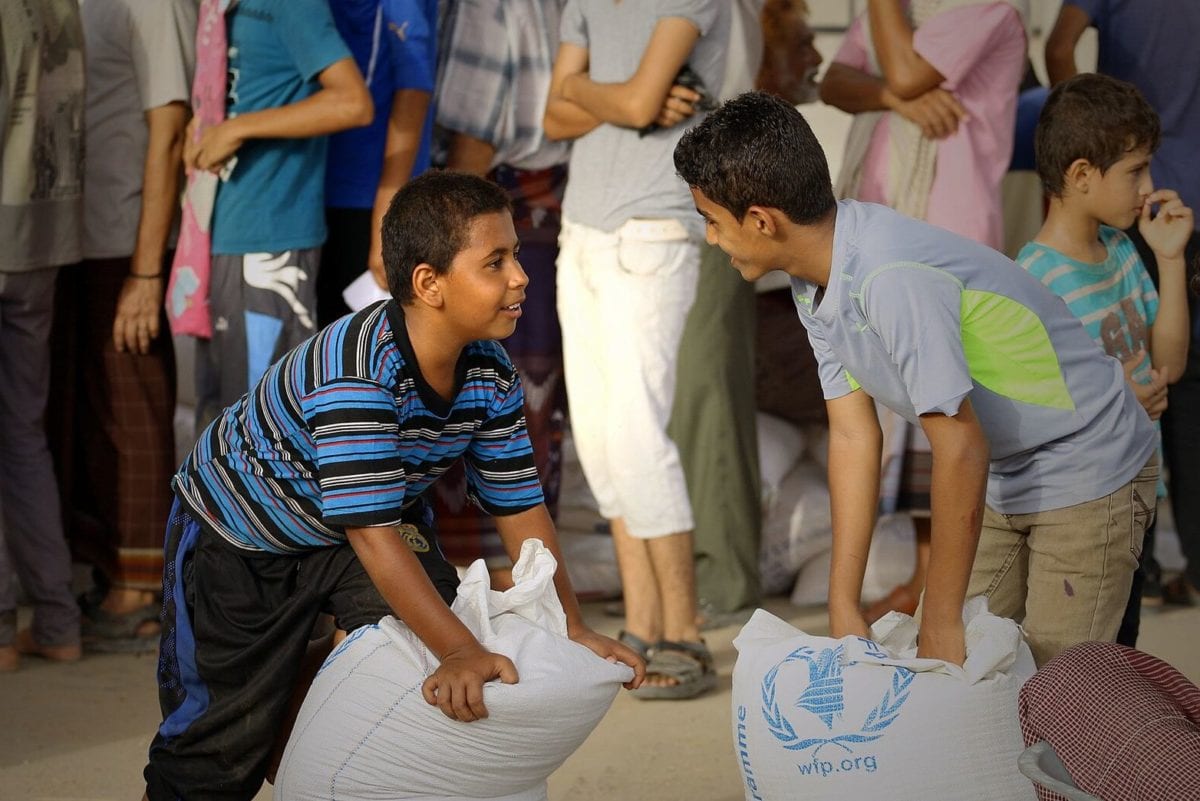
(1094, 141)
(1017, 401)
(304, 496)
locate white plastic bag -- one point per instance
(365, 732)
(796, 526)
(818, 718)
(890, 562)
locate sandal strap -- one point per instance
(635, 642)
(694, 651)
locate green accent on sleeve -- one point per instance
(1008, 350)
(854, 385)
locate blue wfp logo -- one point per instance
(823, 697)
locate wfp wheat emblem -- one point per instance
(413, 538)
(823, 697)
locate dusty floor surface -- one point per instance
(74, 732)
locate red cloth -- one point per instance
(1125, 724)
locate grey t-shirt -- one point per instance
(41, 134)
(616, 175)
(921, 318)
(140, 55)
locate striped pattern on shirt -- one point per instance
(344, 431)
(1115, 300)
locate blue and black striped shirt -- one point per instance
(344, 431)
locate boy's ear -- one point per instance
(426, 287)
(1079, 176)
(761, 220)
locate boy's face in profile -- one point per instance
(745, 246)
(485, 285)
(1116, 197)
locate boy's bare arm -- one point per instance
(139, 306)
(406, 126)
(905, 71)
(855, 449)
(937, 112)
(1060, 45)
(468, 154)
(637, 102)
(342, 102)
(960, 470)
(565, 119)
(535, 523)
(456, 687)
(1167, 233)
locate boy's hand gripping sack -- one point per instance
(818, 718)
(365, 732)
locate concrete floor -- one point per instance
(75, 732)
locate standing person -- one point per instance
(292, 82)
(41, 216)
(347, 432)
(394, 44)
(1095, 139)
(713, 420)
(1150, 50)
(115, 373)
(1044, 462)
(713, 416)
(495, 77)
(630, 251)
(933, 88)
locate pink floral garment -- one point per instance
(187, 293)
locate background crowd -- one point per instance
(298, 119)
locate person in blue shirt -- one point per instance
(395, 47)
(305, 496)
(292, 82)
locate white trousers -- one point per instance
(623, 298)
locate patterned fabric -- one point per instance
(495, 77)
(262, 306)
(344, 431)
(187, 292)
(111, 424)
(1116, 301)
(1125, 724)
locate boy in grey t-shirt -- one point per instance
(1017, 401)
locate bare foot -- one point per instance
(53, 653)
(121, 601)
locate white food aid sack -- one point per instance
(818, 718)
(366, 732)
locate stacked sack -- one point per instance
(365, 731)
(818, 718)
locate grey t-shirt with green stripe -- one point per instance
(921, 318)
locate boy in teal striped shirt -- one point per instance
(1094, 142)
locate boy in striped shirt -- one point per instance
(305, 496)
(1094, 141)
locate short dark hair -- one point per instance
(1092, 117)
(757, 150)
(428, 222)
